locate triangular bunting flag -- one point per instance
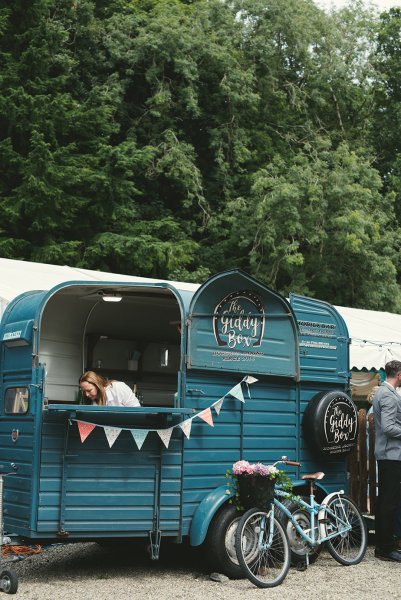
(139, 436)
(249, 379)
(206, 415)
(217, 405)
(84, 429)
(186, 427)
(237, 392)
(112, 434)
(165, 435)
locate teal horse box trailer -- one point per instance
(225, 371)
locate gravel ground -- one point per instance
(87, 571)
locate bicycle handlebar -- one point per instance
(285, 461)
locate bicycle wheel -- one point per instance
(262, 550)
(349, 547)
(300, 549)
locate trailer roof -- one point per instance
(375, 336)
(18, 276)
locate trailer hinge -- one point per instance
(62, 533)
(154, 546)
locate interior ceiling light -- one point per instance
(112, 297)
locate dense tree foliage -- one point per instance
(178, 138)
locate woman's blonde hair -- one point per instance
(99, 382)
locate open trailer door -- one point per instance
(21, 389)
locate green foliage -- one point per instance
(174, 139)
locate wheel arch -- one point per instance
(205, 513)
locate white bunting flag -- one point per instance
(217, 405)
(112, 434)
(249, 379)
(237, 392)
(165, 435)
(139, 436)
(186, 427)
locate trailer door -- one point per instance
(21, 387)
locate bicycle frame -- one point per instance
(317, 513)
(265, 562)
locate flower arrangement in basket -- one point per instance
(252, 485)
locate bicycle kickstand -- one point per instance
(302, 566)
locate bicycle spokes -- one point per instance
(262, 548)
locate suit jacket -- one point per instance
(387, 415)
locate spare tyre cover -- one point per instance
(330, 423)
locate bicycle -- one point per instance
(261, 542)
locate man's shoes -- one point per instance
(393, 556)
(397, 543)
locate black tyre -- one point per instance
(8, 581)
(349, 547)
(318, 431)
(220, 542)
(298, 547)
(262, 548)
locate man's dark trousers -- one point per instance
(389, 478)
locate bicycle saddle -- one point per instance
(313, 476)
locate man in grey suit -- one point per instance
(387, 416)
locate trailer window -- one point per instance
(16, 401)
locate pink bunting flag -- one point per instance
(165, 435)
(186, 427)
(206, 415)
(217, 405)
(85, 429)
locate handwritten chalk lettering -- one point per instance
(238, 320)
(340, 422)
(341, 425)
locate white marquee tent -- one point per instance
(375, 336)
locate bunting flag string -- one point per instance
(139, 435)
(249, 380)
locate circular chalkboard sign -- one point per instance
(330, 423)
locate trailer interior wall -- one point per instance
(79, 331)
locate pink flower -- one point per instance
(243, 467)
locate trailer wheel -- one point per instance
(298, 546)
(8, 582)
(220, 542)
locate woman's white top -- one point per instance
(119, 394)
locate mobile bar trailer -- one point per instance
(225, 371)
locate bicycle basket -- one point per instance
(255, 491)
